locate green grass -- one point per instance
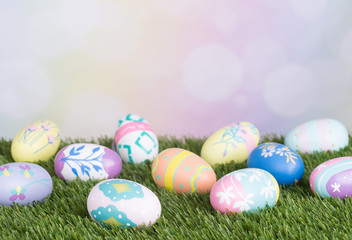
(298, 214)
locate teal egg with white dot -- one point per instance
(123, 203)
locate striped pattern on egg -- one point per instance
(182, 171)
(333, 178)
(318, 135)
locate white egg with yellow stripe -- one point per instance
(182, 171)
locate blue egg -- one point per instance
(281, 161)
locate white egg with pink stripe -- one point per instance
(318, 135)
(233, 142)
(136, 142)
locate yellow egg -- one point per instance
(36, 142)
(231, 143)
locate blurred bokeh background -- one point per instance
(189, 67)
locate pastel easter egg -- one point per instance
(131, 117)
(123, 203)
(333, 178)
(318, 135)
(244, 190)
(279, 160)
(24, 183)
(136, 142)
(231, 143)
(182, 171)
(87, 161)
(36, 142)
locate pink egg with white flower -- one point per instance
(244, 190)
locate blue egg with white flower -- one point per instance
(282, 162)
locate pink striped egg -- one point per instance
(333, 178)
(136, 142)
(231, 143)
(318, 135)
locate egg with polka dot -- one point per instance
(182, 171)
(333, 178)
(123, 203)
(318, 135)
(279, 160)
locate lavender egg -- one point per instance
(87, 161)
(24, 183)
(333, 178)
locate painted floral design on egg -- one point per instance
(36, 142)
(279, 160)
(244, 190)
(87, 161)
(231, 143)
(23, 183)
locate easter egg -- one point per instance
(36, 142)
(87, 161)
(333, 178)
(318, 135)
(131, 117)
(182, 171)
(123, 203)
(136, 142)
(244, 190)
(231, 143)
(24, 183)
(279, 160)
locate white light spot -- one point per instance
(173, 8)
(128, 224)
(225, 19)
(137, 192)
(95, 216)
(109, 209)
(116, 37)
(309, 9)
(114, 198)
(99, 212)
(92, 110)
(212, 73)
(46, 36)
(124, 196)
(78, 23)
(290, 91)
(263, 55)
(346, 48)
(333, 93)
(109, 191)
(120, 216)
(25, 90)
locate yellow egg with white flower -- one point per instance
(36, 142)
